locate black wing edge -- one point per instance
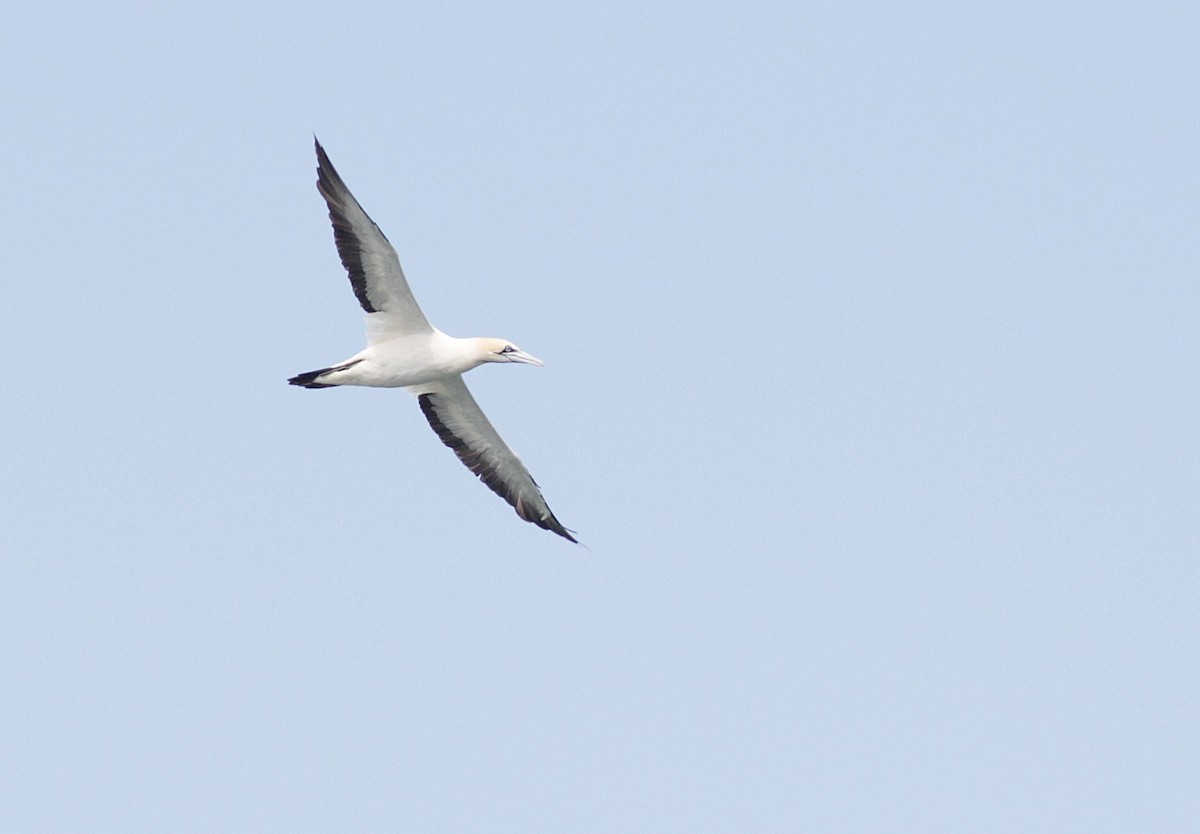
(476, 462)
(333, 189)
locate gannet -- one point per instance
(405, 351)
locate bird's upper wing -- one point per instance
(461, 425)
(370, 260)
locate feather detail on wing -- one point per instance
(369, 259)
(461, 425)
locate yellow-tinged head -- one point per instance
(500, 350)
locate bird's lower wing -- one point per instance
(461, 425)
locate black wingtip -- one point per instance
(554, 526)
(324, 166)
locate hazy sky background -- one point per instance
(871, 347)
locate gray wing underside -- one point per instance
(369, 259)
(462, 425)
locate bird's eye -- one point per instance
(508, 349)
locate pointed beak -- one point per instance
(522, 356)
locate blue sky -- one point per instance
(871, 344)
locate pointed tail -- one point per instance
(309, 380)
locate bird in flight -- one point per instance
(405, 351)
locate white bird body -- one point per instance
(405, 351)
(414, 359)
